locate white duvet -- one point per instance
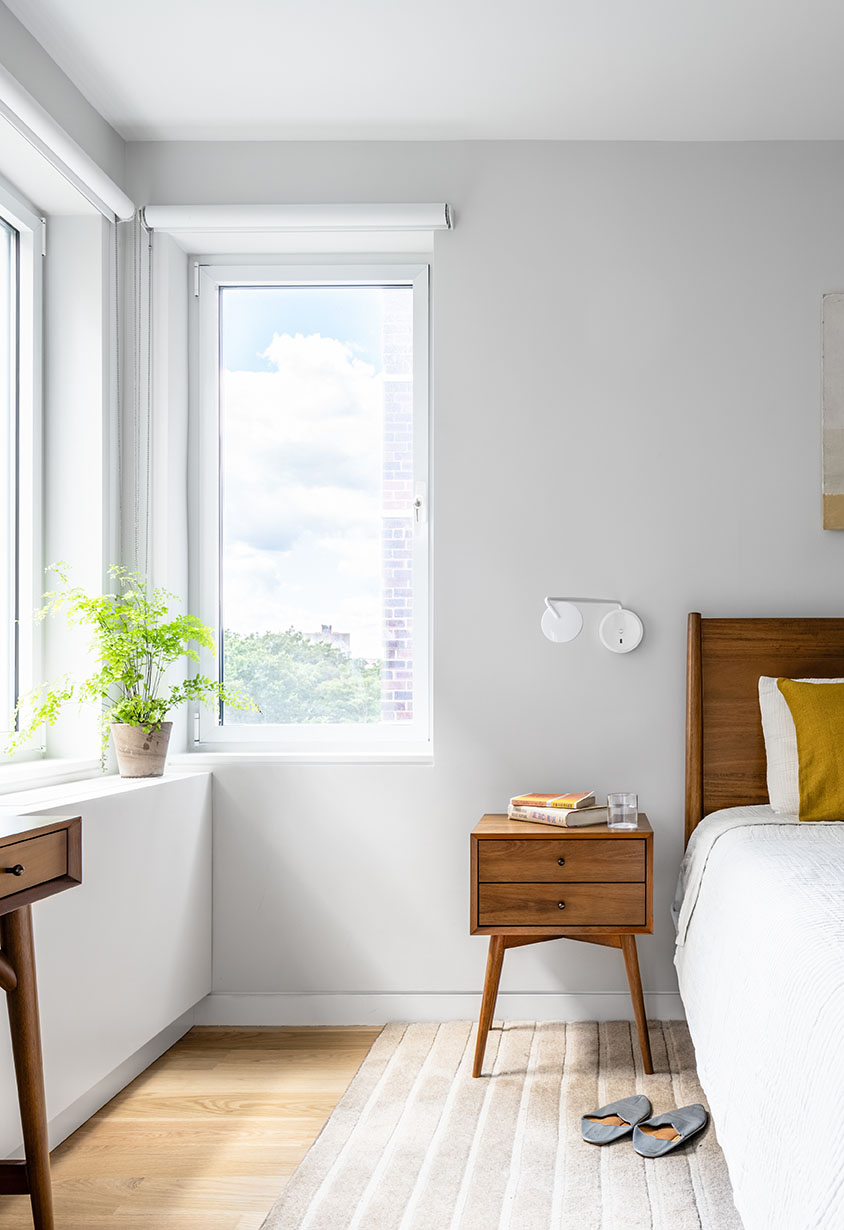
(760, 959)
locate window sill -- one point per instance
(72, 792)
(33, 774)
(207, 757)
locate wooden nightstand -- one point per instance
(535, 882)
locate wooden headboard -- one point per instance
(725, 752)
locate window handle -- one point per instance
(420, 504)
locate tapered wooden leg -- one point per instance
(16, 938)
(494, 961)
(634, 981)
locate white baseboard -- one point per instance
(68, 1120)
(376, 1008)
(73, 1116)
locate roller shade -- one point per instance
(298, 218)
(38, 127)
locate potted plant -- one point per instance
(135, 639)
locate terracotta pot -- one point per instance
(140, 754)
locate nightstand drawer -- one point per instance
(558, 860)
(562, 905)
(40, 859)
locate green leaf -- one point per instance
(134, 639)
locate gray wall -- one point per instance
(626, 402)
(30, 64)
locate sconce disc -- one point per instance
(620, 631)
(562, 622)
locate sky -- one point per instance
(251, 315)
(301, 410)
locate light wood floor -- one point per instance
(207, 1137)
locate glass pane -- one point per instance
(8, 410)
(316, 467)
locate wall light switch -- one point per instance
(620, 631)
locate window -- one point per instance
(8, 470)
(20, 488)
(311, 517)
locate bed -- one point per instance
(760, 940)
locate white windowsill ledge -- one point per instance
(33, 774)
(211, 759)
(43, 783)
(103, 785)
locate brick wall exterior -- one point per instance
(397, 504)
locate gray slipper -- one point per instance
(623, 1117)
(658, 1136)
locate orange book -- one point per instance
(567, 801)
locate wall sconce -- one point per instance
(620, 630)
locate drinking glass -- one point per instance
(623, 810)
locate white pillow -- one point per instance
(781, 746)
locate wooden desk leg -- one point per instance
(634, 981)
(16, 936)
(495, 958)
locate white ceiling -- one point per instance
(452, 69)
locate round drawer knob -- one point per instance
(561, 905)
(561, 862)
(17, 870)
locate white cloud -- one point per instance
(359, 555)
(302, 492)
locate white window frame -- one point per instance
(21, 215)
(208, 276)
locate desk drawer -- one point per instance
(584, 905)
(42, 858)
(557, 859)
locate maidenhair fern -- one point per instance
(135, 640)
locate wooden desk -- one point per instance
(528, 878)
(38, 857)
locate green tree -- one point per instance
(296, 680)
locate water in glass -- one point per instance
(623, 810)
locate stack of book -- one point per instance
(566, 810)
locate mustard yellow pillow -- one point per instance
(818, 715)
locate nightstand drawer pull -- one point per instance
(561, 862)
(561, 905)
(17, 870)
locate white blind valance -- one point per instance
(41, 131)
(298, 218)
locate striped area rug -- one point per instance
(417, 1144)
